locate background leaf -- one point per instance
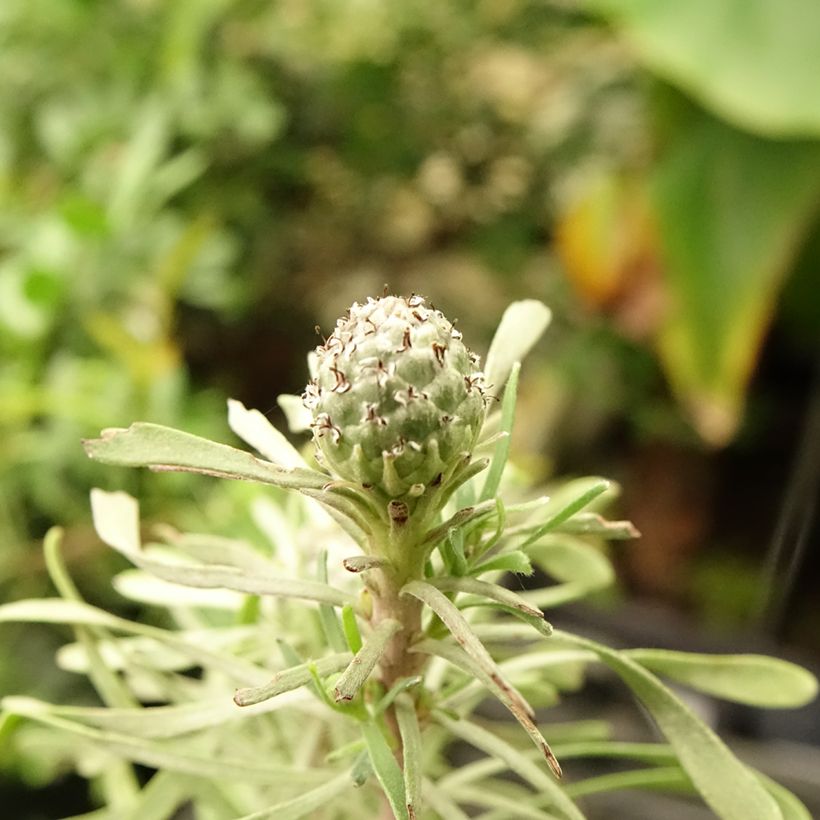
(754, 62)
(732, 210)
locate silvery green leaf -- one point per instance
(365, 660)
(254, 429)
(727, 786)
(498, 686)
(117, 653)
(438, 800)
(214, 549)
(466, 638)
(517, 762)
(57, 611)
(164, 755)
(290, 679)
(508, 806)
(153, 722)
(520, 328)
(305, 804)
(144, 588)
(163, 448)
(752, 679)
(298, 416)
(116, 519)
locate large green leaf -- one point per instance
(732, 210)
(754, 62)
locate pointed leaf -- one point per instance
(511, 699)
(517, 762)
(561, 509)
(466, 638)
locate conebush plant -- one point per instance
(327, 670)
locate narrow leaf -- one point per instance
(290, 679)
(305, 804)
(517, 762)
(520, 328)
(386, 769)
(729, 788)
(566, 511)
(667, 778)
(161, 755)
(516, 562)
(485, 589)
(502, 448)
(752, 679)
(152, 722)
(57, 611)
(466, 638)
(401, 685)
(411, 751)
(353, 637)
(116, 519)
(365, 660)
(331, 626)
(441, 802)
(463, 516)
(163, 448)
(498, 687)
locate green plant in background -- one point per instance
(338, 664)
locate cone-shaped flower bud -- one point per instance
(398, 398)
